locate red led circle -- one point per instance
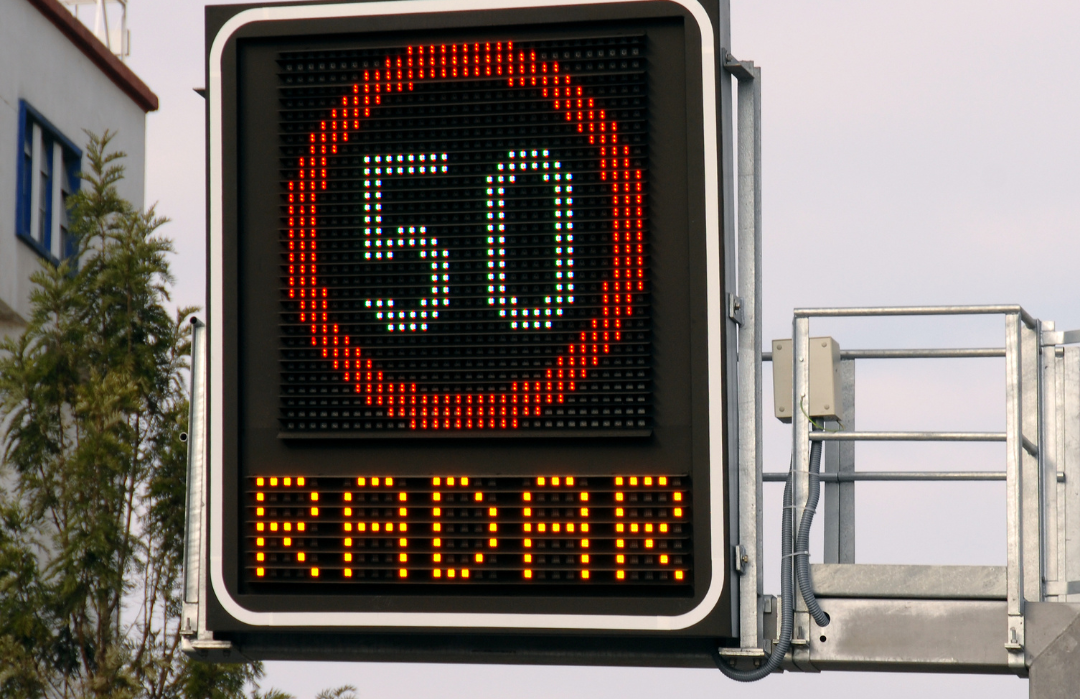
(622, 293)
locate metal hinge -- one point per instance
(734, 308)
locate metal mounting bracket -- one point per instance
(734, 308)
(742, 70)
(741, 559)
(740, 653)
(1015, 643)
(212, 651)
(1053, 337)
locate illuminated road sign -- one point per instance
(467, 340)
(423, 255)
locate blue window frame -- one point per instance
(49, 165)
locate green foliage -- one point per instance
(92, 405)
(345, 691)
(208, 681)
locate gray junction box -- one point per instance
(824, 400)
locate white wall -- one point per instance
(40, 65)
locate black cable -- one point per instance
(801, 554)
(787, 611)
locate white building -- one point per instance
(57, 82)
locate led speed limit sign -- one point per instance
(452, 210)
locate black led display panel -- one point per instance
(465, 239)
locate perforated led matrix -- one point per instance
(534, 531)
(464, 239)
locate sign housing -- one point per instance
(467, 346)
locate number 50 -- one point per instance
(411, 242)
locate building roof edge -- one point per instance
(98, 53)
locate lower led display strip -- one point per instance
(461, 530)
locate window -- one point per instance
(49, 166)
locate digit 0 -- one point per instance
(523, 169)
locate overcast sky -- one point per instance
(923, 152)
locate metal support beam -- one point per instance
(1031, 491)
(1053, 637)
(1050, 450)
(194, 613)
(1059, 461)
(909, 581)
(800, 448)
(196, 640)
(838, 460)
(912, 635)
(750, 547)
(1013, 492)
(1070, 455)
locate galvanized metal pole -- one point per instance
(751, 586)
(194, 534)
(196, 640)
(1070, 520)
(1014, 448)
(1031, 493)
(838, 458)
(1050, 448)
(800, 448)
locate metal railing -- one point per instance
(963, 353)
(780, 477)
(889, 617)
(1022, 401)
